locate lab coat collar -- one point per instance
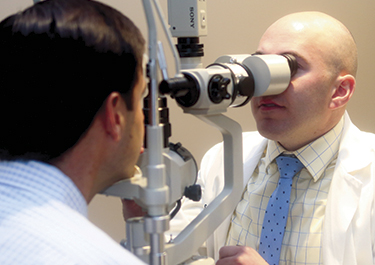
(353, 148)
(252, 156)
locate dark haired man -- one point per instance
(72, 124)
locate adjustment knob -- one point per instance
(193, 192)
(217, 88)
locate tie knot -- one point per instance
(288, 166)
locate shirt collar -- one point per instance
(315, 156)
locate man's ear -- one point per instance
(114, 119)
(343, 91)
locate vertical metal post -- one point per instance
(156, 193)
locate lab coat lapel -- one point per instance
(252, 156)
(344, 195)
(345, 190)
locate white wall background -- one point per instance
(235, 26)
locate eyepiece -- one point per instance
(293, 65)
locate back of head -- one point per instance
(60, 60)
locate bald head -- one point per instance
(327, 36)
(318, 93)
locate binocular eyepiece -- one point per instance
(231, 81)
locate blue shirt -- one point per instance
(43, 220)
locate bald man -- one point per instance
(331, 206)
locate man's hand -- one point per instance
(239, 255)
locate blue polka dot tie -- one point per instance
(277, 210)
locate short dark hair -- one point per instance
(60, 59)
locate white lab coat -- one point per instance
(349, 226)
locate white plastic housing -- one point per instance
(187, 18)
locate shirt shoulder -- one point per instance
(56, 234)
